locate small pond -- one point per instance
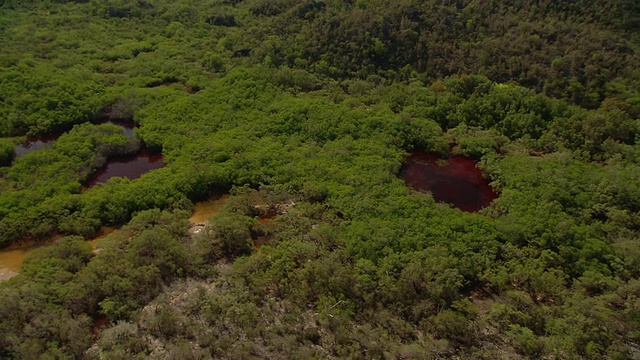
(455, 180)
(131, 167)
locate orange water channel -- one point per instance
(205, 209)
(11, 258)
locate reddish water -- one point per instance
(131, 167)
(456, 181)
(45, 141)
(35, 143)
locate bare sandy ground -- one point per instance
(7, 274)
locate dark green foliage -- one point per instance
(227, 235)
(7, 152)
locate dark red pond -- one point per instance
(131, 167)
(456, 181)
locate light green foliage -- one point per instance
(475, 142)
(46, 181)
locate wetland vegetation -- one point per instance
(300, 124)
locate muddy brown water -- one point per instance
(11, 258)
(104, 232)
(203, 210)
(456, 180)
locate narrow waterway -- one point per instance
(11, 258)
(34, 143)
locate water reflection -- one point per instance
(34, 143)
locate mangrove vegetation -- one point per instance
(314, 122)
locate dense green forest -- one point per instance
(316, 105)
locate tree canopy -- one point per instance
(305, 111)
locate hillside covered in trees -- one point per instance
(304, 113)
